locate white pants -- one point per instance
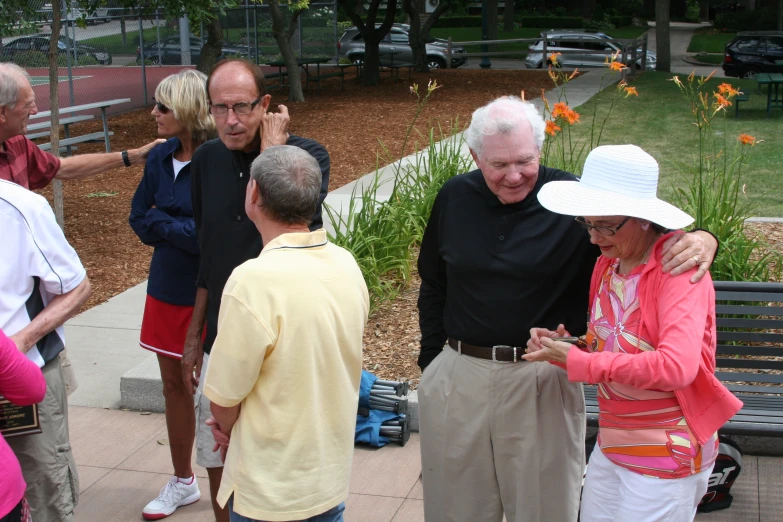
(614, 493)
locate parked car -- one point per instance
(40, 43)
(395, 47)
(171, 51)
(750, 53)
(590, 43)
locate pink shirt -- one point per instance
(678, 319)
(21, 382)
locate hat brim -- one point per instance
(573, 198)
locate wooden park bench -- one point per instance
(741, 97)
(749, 356)
(68, 143)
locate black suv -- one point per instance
(753, 52)
(40, 43)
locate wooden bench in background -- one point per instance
(749, 356)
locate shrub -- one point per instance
(458, 21)
(552, 22)
(758, 20)
(692, 12)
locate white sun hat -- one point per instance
(617, 180)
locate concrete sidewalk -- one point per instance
(103, 341)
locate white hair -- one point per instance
(10, 73)
(502, 116)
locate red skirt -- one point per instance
(164, 327)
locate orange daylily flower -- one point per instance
(726, 88)
(747, 139)
(631, 91)
(561, 109)
(617, 66)
(552, 128)
(721, 101)
(553, 58)
(572, 117)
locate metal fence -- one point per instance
(120, 54)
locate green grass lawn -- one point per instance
(113, 42)
(660, 122)
(708, 42)
(715, 59)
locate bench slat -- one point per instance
(97, 136)
(761, 297)
(751, 337)
(749, 377)
(766, 324)
(732, 349)
(742, 388)
(774, 311)
(759, 364)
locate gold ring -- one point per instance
(696, 258)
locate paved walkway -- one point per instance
(123, 460)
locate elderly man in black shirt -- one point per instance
(505, 438)
(220, 172)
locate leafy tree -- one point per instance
(283, 34)
(419, 34)
(372, 35)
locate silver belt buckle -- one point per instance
(494, 353)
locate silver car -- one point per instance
(590, 45)
(394, 48)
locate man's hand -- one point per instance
(222, 439)
(274, 127)
(138, 156)
(192, 358)
(682, 252)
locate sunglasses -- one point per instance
(161, 108)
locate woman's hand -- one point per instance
(550, 351)
(534, 344)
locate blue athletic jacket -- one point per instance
(169, 227)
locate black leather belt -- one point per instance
(499, 353)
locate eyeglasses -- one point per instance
(239, 108)
(603, 230)
(161, 108)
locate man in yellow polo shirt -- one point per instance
(284, 372)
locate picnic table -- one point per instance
(47, 125)
(304, 64)
(78, 108)
(772, 81)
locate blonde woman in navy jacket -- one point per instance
(162, 217)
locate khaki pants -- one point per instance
(500, 438)
(46, 458)
(69, 376)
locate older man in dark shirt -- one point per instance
(505, 438)
(220, 172)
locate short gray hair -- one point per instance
(10, 73)
(289, 182)
(502, 116)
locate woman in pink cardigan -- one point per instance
(22, 383)
(650, 347)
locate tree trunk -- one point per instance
(123, 32)
(283, 39)
(492, 19)
(371, 73)
(54, 107)
(213, 46)
(662, 36)
(588, 9)
(508, 15)
(704, 10)
(780, 15)
(415, 40)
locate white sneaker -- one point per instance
(173, 495)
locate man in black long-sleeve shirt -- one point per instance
(220, 171)
(504, 438)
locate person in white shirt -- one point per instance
(42, 284)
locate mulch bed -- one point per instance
(351, 124)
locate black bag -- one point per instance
(727, 468)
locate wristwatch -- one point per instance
(125, 158)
